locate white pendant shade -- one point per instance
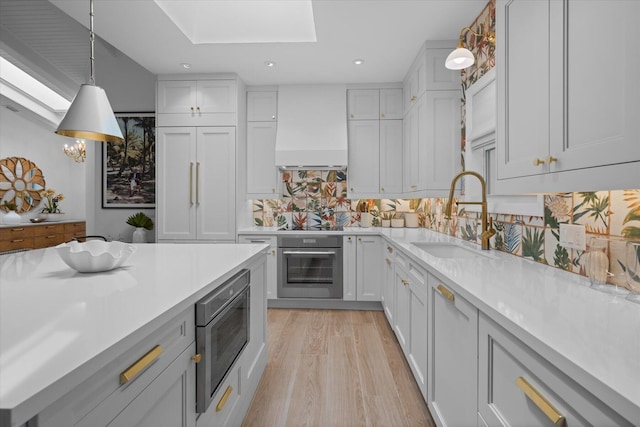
(90, 117)
(459, 59)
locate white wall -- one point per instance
(23, 136)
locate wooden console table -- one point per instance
(42, 235)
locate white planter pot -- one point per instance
(365, 219)
(386, 223)
(54, 217)
(139, 235)
(11, 218)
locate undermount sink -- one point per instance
(450, 250)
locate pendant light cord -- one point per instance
(91, 40)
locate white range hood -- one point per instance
(312, 127)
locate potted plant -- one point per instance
(11, 217)
(141, 222)
(51, 210)
(386, 218)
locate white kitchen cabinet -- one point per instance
(415, 130)
(364, 157)
(419, 322)
(262, 174)
(262, 106)
(165, 389)
(363, 104)
(560, 112)
(517, 387)
(453, 359)
(349, 274)
(387, 290)
(391, 104)
(368, 268)
(391, 157)
(271, 275)
(415, 81)
(439, 77)
(402, 325)
(196, 183)
(196, 102)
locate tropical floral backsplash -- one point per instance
(320, 197)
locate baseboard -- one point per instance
(325, 304)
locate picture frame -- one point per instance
(129, 167)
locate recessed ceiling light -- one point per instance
(358, 61)
(186, 65)
(270, 63)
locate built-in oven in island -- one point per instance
(222, 332)
(310, 266)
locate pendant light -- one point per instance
(90, 115)
(462, 57)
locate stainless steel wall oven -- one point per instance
(222, 332)
(310, 266)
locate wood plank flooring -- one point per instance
(335, 368)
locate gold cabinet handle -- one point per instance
(273, 252)
(538, 162)
(404, 282)
(414, 186)
(413, 98)
(389, 249)
(551, 159)
(388, 261)
(17, 240)
(17, 229)
(541, 402)
(382, 115)
(191, 183)
(446, 293)
(196, 357)
(349, 238)
(351, 188)
(351, 115)
(273, 190)
(197, 183)
(382, 189)
(192, 109)
(140, 364)
(360, 239)
(224, 398)
(198, 108)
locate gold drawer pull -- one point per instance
(196, 357)
(223, 400)
(17, 229)
(389, 249)
(551, 159)
(51, 237)
(446, 293)
(388, 261)
(413, 187)
(538, 162)
(541, 402)
(404, 282)
(413, 98)
(140, 364)
(17, 241)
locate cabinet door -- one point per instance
(368, 268)
(349, 268)
(215, 183)
(522, 58)
(415, 82)
(272, 264)
(364, 156)
(391, 104)
(177, 97)
(169, 400)
(363, 104)
(262, 173)
(453, 369)
(602, 109)
(439, 154)
(391, 156)
(176, 165)
(388, 284)
(262, 106)
(418, 329)
(403, 308)
(254, 357)
(414, 148)
(216, 96)
(438, 76)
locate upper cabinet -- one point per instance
(432, 141)
(567, 107)
(263, 177)
(373, 104)
(196, 102)
(262, 106)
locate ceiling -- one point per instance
(387, 34)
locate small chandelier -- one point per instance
(462, 57)
(90, 115)
(77, 151)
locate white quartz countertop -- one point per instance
(592, 336)
(55, 321)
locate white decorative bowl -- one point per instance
(94, 255)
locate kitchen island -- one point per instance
(58, 327)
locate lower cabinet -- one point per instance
(361, 268)
(411, 317)
(517, 387)
(453, 365)
(387, 289)
(272, 260)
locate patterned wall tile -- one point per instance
(533, 243)
(625, 214)
(591, 209)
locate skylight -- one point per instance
(242, 21)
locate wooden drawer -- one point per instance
(102, 396)
(75, 227)
(13, 238)
(517, 387)
(48, 229)
(48, 240)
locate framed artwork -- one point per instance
(129, 167)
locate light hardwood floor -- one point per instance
(335, 368)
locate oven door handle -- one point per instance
(329, 253)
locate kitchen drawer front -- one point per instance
(223, 408)
(102, 396)
(259, 238)
(12, 233)
(517, 387)
(16, 243)
(48, 240)
(48, 229)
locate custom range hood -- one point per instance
(312, 127)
